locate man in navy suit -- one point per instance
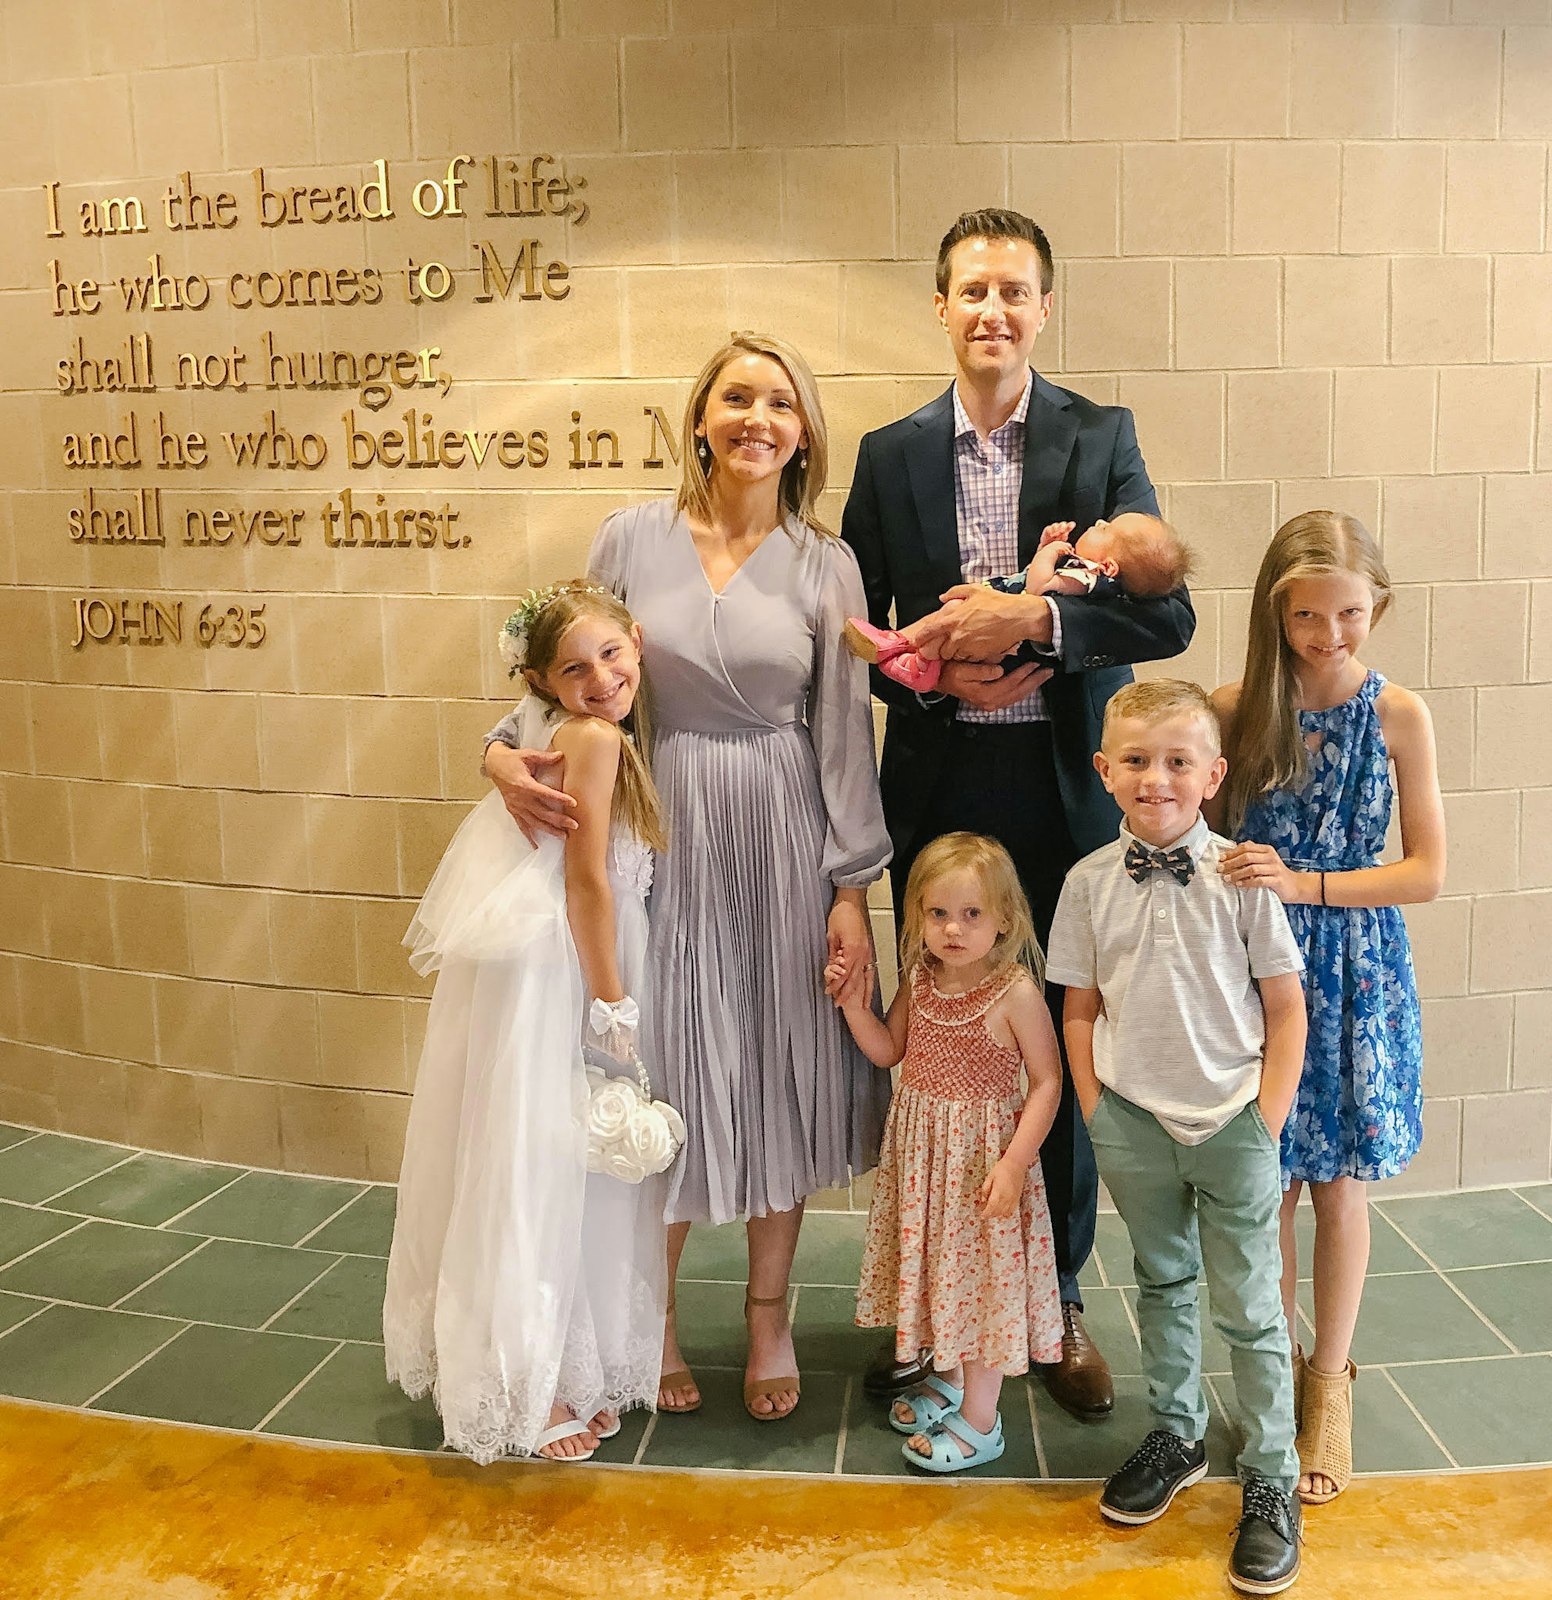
(948, 496)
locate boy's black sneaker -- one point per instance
(1266, 1543)
(1161, 1466)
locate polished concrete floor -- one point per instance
(102, 1508)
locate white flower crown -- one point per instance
(512, 641)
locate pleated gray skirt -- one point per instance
(776, 1098)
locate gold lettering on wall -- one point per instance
(207, 505)
(151, 620)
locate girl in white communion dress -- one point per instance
(524, 1291)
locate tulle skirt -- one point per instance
(516, 1279)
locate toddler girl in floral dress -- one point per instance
(958, 1254)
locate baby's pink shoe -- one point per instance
(892, 654)
(873, 645)
(915, 671)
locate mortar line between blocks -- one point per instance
(15, 1260)
(187, 1256)
(31, 1316)
(1131, 1315)
(306, 1288)
(1445, 1279)
(242, 1327)
(1422, 1421)
(646, 1438)
(840, 1434)
(177, 1333)
(286, 1399)
(302, 1242)
(178, 1216)
(80, 1183)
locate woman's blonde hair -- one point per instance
(804, 476)
(636, 803)
(1265, 749)
(994, 871)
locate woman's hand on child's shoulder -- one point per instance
(539, 808)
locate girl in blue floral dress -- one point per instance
(1310, 736)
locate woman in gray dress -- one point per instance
(764, 757)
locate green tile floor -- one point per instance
(157, 1287)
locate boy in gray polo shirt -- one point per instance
(1185, 1025)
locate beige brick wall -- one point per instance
(1303, 239)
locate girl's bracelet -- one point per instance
(1322, 886)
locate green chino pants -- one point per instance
(1214, 1203)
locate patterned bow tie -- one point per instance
(1140, 861)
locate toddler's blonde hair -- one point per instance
(994, 870)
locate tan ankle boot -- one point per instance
(1326, 1439)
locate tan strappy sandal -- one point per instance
(683, 1378)
(1326, 1439)
(767, 1388)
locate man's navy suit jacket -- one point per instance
(1081, 463)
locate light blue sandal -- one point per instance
(947, 1456)
(929, 1409)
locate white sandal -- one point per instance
(563, 1430)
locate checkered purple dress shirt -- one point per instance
(987, 480)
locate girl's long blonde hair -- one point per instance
(636, 803)
(801, 484)
(1264, 748)
(994, 871)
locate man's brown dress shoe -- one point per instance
(887, 1377)
(1080, 1382)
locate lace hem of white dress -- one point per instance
(492, 1417)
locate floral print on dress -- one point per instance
(932, 1269)
(1359, 1111)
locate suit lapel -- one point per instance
(929, 464)
(1050, 432)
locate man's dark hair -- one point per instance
(997, 223)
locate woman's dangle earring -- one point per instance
(704, 451)
(803, 461)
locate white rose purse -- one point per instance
(630, 1136)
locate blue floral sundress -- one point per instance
(1359, 1110)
